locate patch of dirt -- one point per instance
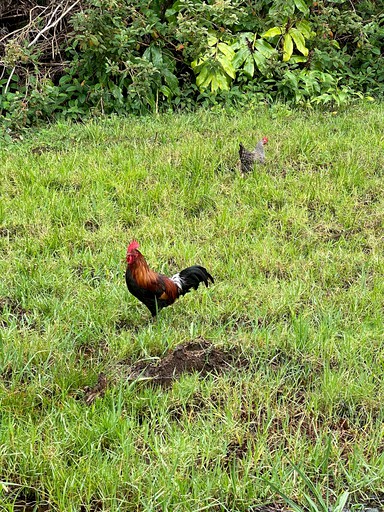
(234, 323)
(198, 355)
(93, 352)
(98, 390)
(13, 307)
(235, 451)
(88, 274)
(39, 150)
(122, 324)
(94, 506)
(270, 507)
(275, 204)
(195, 404)
(26, 502)
(29, 506)
(278, 271)
(375, 500)
(370, 197)
(90, 351)
(64, 186)
(91, 225)
(11, 232)
(7, 374)
(333, 233)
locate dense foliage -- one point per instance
(137, 56)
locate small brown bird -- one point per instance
(248, 158)
(155, 290)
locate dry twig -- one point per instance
(45, 28)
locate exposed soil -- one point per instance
(198, 355)
(93, 351)
(236, 450)
(27, 502)
(39, 150)
(8, 304)
(91, 393)
(12, 232)
(122, 324)
(271, 507)
(91, 225)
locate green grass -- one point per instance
(296, 250)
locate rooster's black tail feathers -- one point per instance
(191, 277)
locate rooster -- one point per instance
(248, 158)
(157, 291)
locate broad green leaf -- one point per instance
(171, 80)
(287, 47)
(227, 66)
(272, 32)
(195, 63)
(247, 35)
(202, 76)
(175, 9)
(264, 47)
(222, 82)
(299, 41)
(301, 5)
(214, 84)
(249, 66)
(297, 58)
(236, 45)
(198, 63)
(212, 40)
(207, 82)
(157, 56)
(227, 50)
(93, 41)
(260, 60)
(154, 55)
(304, 27)
(240, 57)
(166, 91)
(170, 12)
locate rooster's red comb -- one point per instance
(265, 140)
(133, 245)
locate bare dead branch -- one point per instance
(49, 26)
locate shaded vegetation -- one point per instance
(79, 57)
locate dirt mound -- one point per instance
(194, 356)
(198, 355)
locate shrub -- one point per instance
(134, 56)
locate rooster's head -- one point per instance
(132, 252)
(264, 140)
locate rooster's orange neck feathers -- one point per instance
(140, 270)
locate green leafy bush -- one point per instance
(134, 56)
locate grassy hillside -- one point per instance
(296, 249)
